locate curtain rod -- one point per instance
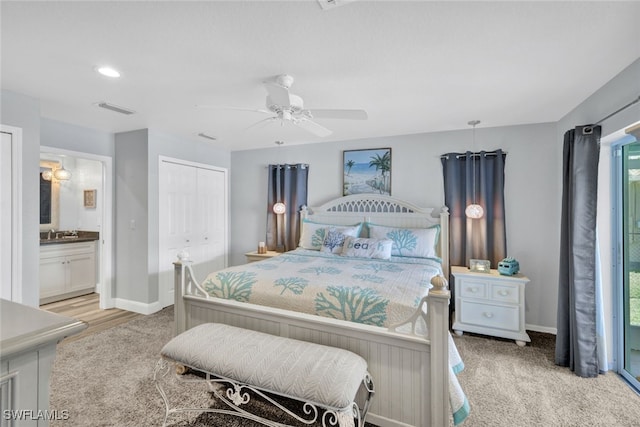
(293, 165)
(487, 153)
(618, 111)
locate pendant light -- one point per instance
(62, 174)
(279, 207)
(474, 210)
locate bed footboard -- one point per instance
(409, 370)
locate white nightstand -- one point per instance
(490, 304)
(255, 256)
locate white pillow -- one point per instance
(409, 242)
(313, 233)
(367, 248)
(334, 240)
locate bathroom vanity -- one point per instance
(67, 265)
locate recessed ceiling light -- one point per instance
(108, 71)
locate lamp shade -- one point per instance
(474, 211)
(62, 174)
(279, 208)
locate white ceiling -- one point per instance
(414, 66)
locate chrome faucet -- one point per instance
(49, 233)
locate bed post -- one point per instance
(444, 240)
(179, 309)
(438, 312)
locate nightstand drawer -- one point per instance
(505, 293)
(470, 288)
(492, 316)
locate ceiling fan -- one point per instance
(288, 107)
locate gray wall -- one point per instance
(71, 137)
(23, 112)
(137, 162)
(132, 215)
(532, 192)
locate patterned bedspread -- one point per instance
(370, 291)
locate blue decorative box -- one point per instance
(508, 267)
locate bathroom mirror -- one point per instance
(49, 197)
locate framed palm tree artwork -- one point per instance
(366, 171)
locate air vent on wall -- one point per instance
(116, 108)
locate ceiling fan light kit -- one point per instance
(289, 107)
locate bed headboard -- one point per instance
(383, 210)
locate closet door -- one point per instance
(210, 222)
(193, 218)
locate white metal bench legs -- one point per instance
(239, 363)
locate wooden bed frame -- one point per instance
(410, 372)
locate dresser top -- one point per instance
(492, 274)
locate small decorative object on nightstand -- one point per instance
(480, 265)
(490, 304)
(255, 256)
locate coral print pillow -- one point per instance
(409, 242)
(367, 248)
(334, 240)
(313, 234)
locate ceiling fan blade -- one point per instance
(216, 107)
(338, 114)
(262, 122)
(279, 94)
(312, 127)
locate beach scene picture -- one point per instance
(367, 171)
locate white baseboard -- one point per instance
(137, 307)
(544, 329)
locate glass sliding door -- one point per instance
(628, 284)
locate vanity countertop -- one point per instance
(65, 237)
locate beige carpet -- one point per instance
(515, 386)
(105, 380)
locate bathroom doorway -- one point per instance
(91, 175)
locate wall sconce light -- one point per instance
(47, 175)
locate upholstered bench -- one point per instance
(242, 360)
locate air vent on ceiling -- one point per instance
(116, 108)
(204, 135)
(330, 4)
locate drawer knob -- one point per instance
(473, 290)
(488, 314)
(503, 293)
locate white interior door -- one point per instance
(6, 234)
(211, 222)
(193, 218)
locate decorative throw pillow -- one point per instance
(408, 242)
(312, 234)
(367, 248)
(334, 240)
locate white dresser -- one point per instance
(490, 304)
